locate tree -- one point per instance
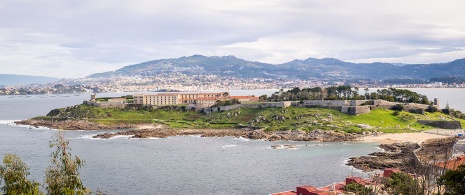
(14, 173)
(62, 177)
(454, 181)
(431, 108)
(358, 189)
(367, 95)
(402, 183)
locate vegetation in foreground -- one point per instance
(61, 177)
(291, 118)
(452, 182)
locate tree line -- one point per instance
(347, 93)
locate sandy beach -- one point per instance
(402, 137)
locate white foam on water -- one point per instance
(154, 138)
(89, 137)
(8, 122)
(312, 145)
(196, 136)
(229, 145)
(241, 139)
(11, 123)
(121, 136)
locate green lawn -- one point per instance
(291, 118)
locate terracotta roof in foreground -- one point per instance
(453, 163)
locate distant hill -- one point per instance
(311, 68)
(13, 80)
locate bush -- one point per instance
(358, 189)
(14, 173)
(454, 181)
(398, 107)
(402, 183)
(432, 109)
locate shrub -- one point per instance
(14, 173)
(432, 109)
(398, 107)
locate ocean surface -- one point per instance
(181, 164)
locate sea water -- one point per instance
(174, 165)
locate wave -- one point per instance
(312, 145)
(229, 145)
(121, 136)
(88, 137)
(241, 139)
(11, 123)
(8, 122)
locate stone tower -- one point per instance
(436, 102)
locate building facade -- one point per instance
(196, 99)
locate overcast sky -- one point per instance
(75, 38)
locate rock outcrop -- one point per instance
(73, 124)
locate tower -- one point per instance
(436, 102)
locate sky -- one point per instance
(75, 38)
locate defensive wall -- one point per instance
(104, 104)
(354, 107)
(442, 124)
(283, 104)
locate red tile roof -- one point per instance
(389, 171)
(285, 193)
(453, 163)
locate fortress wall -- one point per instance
(326, 103)
(356, 110)
(442, 124)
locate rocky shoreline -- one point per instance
(159, 131)
(405, 155)
(73, 124)
(317, 135)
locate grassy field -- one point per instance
(291, 118)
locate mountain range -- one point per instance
(13, 80)
(311, 68)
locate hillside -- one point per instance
(312, 68)
(291, 118)
(13, 80)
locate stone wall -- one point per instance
(355, 110)
(442, 124)
(283, 104)
(353, 107)
(357, 102)
(326, 103)
(106, 104)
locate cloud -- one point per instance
(80, 37)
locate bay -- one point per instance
(182, 164)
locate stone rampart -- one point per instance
(354, 107)
(283, 104)
(326, 103)
(355, 110)
(442, 124)
(106, 104)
